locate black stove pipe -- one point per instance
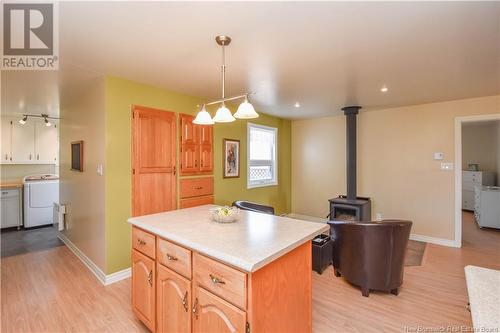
(351, 113)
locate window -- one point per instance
(262, 156)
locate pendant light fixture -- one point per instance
(223, 114)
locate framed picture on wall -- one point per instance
(231, 162)
(77, 156)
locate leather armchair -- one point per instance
(370, 255)
(254, 207)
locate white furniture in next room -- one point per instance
(11, 206)
(40, 193)
(471, 179)
(487, 209)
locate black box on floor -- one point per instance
(322, 247)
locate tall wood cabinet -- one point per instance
(196, 147)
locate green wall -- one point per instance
(120, 95)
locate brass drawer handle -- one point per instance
(198, 188)
(185, 301)
(195, 308)
(140, 241)
(150, 278)
(171, 258)
(216, 280)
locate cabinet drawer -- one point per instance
(197, 201)
(143, 242)
(472, 176)
(222, 280)
(174, 257)
(10, 193)
(195, 187)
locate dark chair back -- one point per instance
(371, 254)
(254, 207)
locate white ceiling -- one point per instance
(323, 54)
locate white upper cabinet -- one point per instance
(23, 142)
(45, 143)
(6, 152)
(31, 143)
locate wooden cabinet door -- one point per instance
(23, 142)
(189, 131)
(206, 158)
(6, 152)
(206, 137)
(173, 311)
(154, 174)
(213, 314)
(45, 143)
(189, 158)
(143, 289)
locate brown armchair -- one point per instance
(370, 255)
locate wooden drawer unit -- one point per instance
(143, 242)
(197, 187)
(174, 257)
(197, 201)
(222, 280)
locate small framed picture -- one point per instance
(77, 156)
(231, 163)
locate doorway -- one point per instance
(468, 177)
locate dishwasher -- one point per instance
(11, 215)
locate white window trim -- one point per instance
(264, 184)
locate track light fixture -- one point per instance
(45, 117)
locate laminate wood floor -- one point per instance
(52, 291)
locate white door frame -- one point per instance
(458, 169)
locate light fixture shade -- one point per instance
(223, 115)
(246, 111)
(47, 122)
(203, 118)
(22, 121)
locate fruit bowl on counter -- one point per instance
(224, 214)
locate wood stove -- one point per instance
(350, 207)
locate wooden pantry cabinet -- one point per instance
(176, 289)
(196, 147)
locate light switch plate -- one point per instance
(447, 166)
(438, 156)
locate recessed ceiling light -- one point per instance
(384, 89)
(297, 105)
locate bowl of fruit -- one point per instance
(224, 214)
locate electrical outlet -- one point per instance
(378, 217)
(447, 166)
(438, 156)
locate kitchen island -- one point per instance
(190, 274)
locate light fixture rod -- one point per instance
(40, 116)
(223, 71)
(229, 99)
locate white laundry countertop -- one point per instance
(252, 242)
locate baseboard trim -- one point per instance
(118, 276)
(433, 240)
(99, 274)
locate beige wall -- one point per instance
(481, 145)
(395, 162)
(83, 118)
(16, 172)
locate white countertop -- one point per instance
(483, 287)
(250, 243)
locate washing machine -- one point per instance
(40, 194)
